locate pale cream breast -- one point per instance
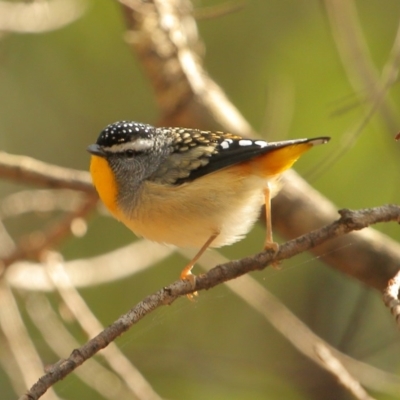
(224, 202)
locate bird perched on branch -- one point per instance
(188, 187)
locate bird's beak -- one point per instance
(96, 150)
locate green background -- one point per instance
(59, 89)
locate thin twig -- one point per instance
(335, 367)
(349, 221)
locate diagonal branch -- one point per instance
(334, 365)
(28, 170)
(114, 357)
(349, 221)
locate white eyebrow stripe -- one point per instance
(138, 145)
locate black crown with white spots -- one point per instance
(123, 132)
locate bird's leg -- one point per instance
(187, 271)
(269, 242)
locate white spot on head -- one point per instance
(245, 142)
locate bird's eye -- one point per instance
(129, 153)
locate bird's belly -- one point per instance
(187, 215)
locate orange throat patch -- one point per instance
(104, 182)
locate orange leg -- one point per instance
(187, 271)
(269, 242)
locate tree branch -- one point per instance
(28, 170)
(349, 221)
(164, 36)
(333, 365)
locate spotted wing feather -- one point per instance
(230, 151)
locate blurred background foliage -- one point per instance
(278, 63)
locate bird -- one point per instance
(190, 188)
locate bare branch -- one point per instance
(61, 341)
(30, 171)
(334, 366)
(349, 221)
(164, 35)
